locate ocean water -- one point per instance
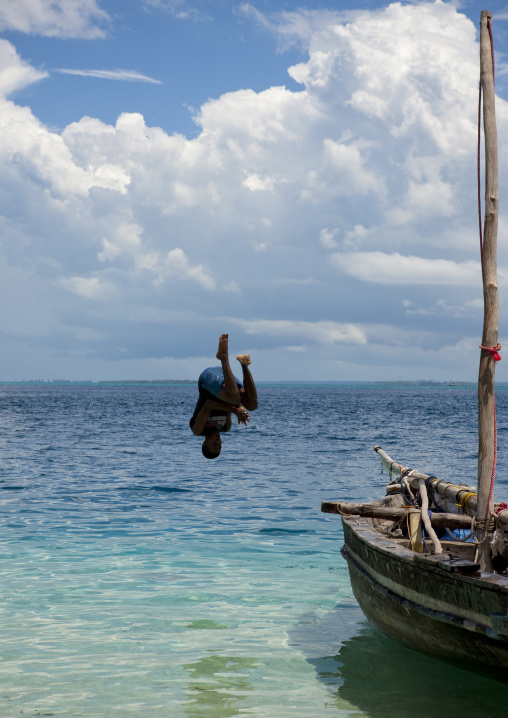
(139, 579)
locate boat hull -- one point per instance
(419, 604)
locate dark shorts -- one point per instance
(212, 380)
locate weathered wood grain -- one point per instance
(486, 435)
(438, 520)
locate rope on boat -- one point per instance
(464, 502)
(425, 517)
(493, 351)
(485, 524)
(436, 491)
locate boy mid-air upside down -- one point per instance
(220, 395)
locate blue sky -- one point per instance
(300, 176)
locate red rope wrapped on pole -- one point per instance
(493, 351)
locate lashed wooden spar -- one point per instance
(458, 499)
(438, 520)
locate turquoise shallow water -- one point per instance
(139, 579)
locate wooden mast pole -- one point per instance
(486, 407)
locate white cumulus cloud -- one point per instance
(54, 18)
(302, 208)
(15, 73)
(88, 287)
(177, 265)
(396, 269)
(322, 331)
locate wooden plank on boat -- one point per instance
(448, 562)
(433, 558)
(439, 520)
(414, 522)
(458, 565)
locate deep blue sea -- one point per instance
(140, 579)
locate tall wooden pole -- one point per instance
(486, 417)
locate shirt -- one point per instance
(217, 421)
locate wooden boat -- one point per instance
(442, 597)
(440, 604)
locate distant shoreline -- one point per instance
(297, 382)
(101, 381)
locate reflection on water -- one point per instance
(217, 687)
(385, 680)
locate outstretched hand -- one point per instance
(243, 416)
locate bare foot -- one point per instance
(244, 359)
(222, 351)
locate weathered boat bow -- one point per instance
(438, 602)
